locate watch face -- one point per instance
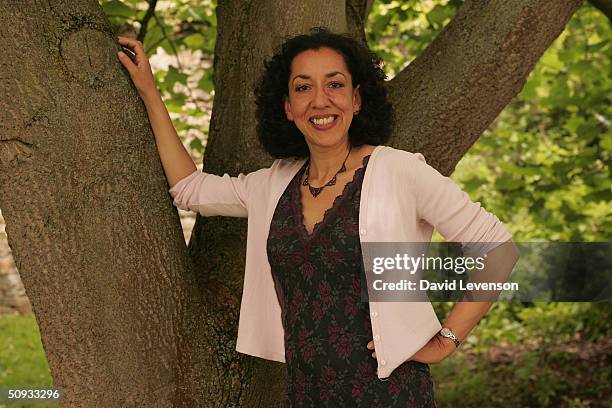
(445, 331)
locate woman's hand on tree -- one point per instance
(137, 66)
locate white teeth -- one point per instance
(323, 121)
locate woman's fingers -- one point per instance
(129, 53)
(371, 346)
(127, 62)
(137, 65)
(135, 46)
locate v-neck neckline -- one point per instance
(304, 234)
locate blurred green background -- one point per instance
(543, 167)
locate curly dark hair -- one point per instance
(279, 136)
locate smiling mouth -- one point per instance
(323, 122)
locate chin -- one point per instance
(323, 140)
(326, 142)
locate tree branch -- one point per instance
(357, 12)
(145, 20)
(454, 90)
(605, 6)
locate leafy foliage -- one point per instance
(543, 167)
(551, 177)
(400, 30)
(185, 33)
(550, 180)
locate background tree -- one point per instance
(171, 319)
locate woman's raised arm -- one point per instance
(176, 161)
(193, 190)
(210, 194)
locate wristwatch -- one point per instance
(446, 332)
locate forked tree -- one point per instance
(129, 316)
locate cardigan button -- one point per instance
(374, 314)
(377, 337)
(383, 362)
(363, 231)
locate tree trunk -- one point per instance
(96, 239)
(132, 322)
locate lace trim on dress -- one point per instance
(297, 203)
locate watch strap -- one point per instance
(448, 333)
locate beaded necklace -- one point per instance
(315, 191)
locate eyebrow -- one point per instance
(328, 75)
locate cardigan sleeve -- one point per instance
(211, 195)
(449, 209)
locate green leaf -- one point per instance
(529, 90)
(117, 8)
(205, 83)
(194, 41)
(437, 15)
(551, 60)
(606, 142)
(473, 183)
(519, 170)
(572, 124)
(197, 145)
(154, 36)
(508, 183)
(174, 76)
(167, 47)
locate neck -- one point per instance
(325, 163)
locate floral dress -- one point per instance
(318, 281)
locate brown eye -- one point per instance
(340, 84)
(300, 88)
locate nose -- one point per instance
(320, 98)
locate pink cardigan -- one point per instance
(402, 200)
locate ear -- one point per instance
(288, 109)
(356, 99)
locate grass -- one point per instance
(23, 363)
(527, 372)
(543, 378)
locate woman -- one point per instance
(322, 113)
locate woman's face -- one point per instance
(321, 98)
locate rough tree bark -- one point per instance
(85, 200)
(127, 316)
